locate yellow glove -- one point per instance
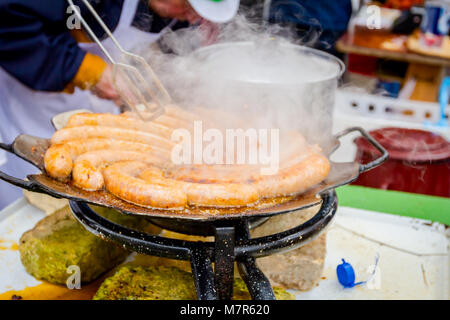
(89, 73)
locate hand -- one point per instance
(105, 89)
(176, 9)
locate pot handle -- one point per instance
(24, 184)
(375, 163)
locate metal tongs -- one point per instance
(135, 81)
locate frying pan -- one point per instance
(32, 149)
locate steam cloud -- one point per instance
(258, 79)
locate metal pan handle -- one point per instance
(375, 163)
(6, 147)
(27, 185)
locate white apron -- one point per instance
(23, 110)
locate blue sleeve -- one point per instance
(36, 46)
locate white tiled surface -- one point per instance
(14, 221)
(413, 257)
(414, 260)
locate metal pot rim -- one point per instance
(306, 50)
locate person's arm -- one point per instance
(88, 74)
(37, 48)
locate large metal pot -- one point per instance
(292, 86)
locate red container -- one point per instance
(419, 162)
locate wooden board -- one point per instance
(415, 46)
(428, 81)
(361, 46)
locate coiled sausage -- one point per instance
(117, 121)
(120, 180)
(87, 169)
(87, 132)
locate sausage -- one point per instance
(117, 121)
(87, 132)
(220, 194)
(294, 179)
(151, 173)
(215, 173)
(58, 161)
(244, 173)
(120, 180)
(87, 169)
(310, 169)
(59, 158)
(207, 194)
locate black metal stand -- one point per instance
(232, 243)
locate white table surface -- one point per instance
(414, 259)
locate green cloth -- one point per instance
(419, 206)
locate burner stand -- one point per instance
(232, 243)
